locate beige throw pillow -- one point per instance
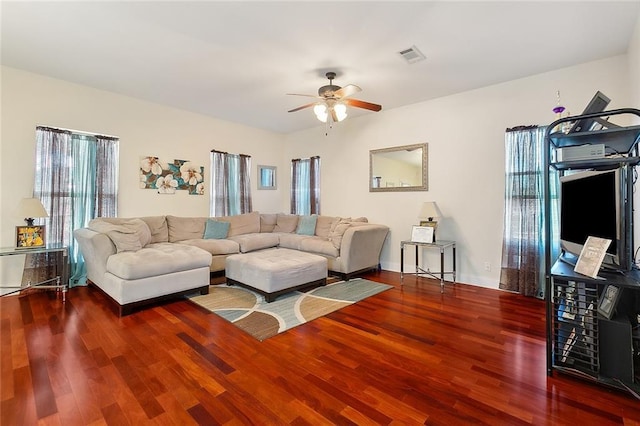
(124, 232)
(337, 232)
(125, 240)
(324, 225)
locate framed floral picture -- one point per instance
(30, 236)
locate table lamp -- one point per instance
(428, 215)
(31, 208)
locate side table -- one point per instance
(441, 245)
(60, 280)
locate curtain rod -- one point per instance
(78, 132)
(519, 128)
(310, 158)
(222, 152)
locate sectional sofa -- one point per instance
(137, 261)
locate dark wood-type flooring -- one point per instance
(406, 356)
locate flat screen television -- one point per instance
(596, 203)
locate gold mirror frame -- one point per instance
(416, 162)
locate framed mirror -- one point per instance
(399, 168)
(267, 177)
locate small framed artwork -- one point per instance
(608, 301)
(30, 236)
(422, 234)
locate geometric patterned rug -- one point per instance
(249, 311)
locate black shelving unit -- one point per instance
(580, 340)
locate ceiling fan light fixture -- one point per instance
(341, 111)
(333, 101)
(321, 112)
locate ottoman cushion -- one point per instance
(275, 269)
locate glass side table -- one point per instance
(60, 281)
(441, 245)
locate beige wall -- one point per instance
(633, 56)
(144, 128)
(465, 133)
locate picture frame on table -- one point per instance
(30, 236)
(432, 224)
(422, 234)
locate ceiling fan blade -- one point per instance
(302, 107)
(299, 94)
(348, 90)
(363, 104)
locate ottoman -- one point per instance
(276, 271)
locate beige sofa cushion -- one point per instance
(310, 244)
(214, 246)
(319, 245)
(286, 223)
(185, 228)
(291, 241)
(157, 259)
(247, 223)
(257, 241)
(158, 227)
(267, 222)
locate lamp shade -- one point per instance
(429, 211)
(30, 208)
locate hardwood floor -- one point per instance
(406, 356)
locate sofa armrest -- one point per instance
(361, 246)
(96, 249)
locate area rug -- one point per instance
(250, 312)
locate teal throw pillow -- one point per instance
(307, 225)
(216, 230)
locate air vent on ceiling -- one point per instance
(412, 55)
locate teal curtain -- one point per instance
(523, 248)
(82, 193)
(76, 180)
(305, 186)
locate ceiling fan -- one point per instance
(333, 101)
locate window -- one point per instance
(76, 179)
(230, 184)
(305, 186)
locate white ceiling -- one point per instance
(237, 60)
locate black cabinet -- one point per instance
(585, 342)
(592, 323)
